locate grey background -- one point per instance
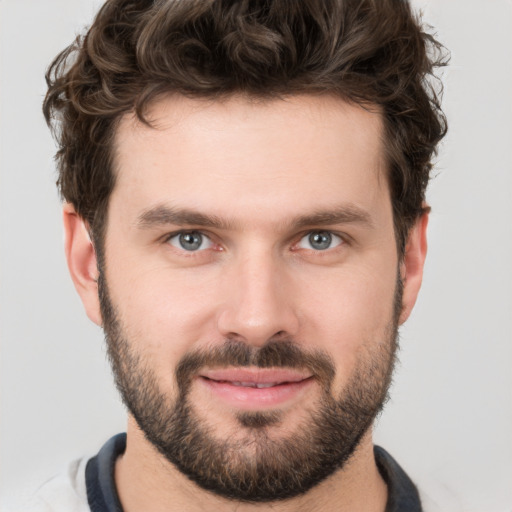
(450, 418)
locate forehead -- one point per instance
(243, 154)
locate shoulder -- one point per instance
(66, 492)
(87, 483)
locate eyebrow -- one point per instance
(347, 214)
(162, 215)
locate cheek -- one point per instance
(348, 312)
(164, 314)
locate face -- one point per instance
(251, 290)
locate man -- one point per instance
(245, 216)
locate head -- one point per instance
(289, 146)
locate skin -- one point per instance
(259, 167)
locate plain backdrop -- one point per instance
(449, 422)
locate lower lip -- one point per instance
(248, 398)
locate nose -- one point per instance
(258, 302)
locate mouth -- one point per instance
(256, 389)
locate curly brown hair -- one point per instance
(371, 52)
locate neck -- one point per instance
(145, 480)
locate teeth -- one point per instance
(254, 384)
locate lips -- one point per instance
(255, 389)
(254, 377)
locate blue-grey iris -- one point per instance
(320, 240)
(191, 241)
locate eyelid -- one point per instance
(184, 231)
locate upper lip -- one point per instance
(256, 375)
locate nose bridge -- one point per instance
(258, 305)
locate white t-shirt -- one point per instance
(65, 492)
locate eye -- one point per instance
(320, 241)
(190, 241)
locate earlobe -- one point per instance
(412, 265)
(82, 263)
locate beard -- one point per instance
(250, 464)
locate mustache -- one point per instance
(274, 354)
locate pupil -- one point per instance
(190, 241)
(320, 241)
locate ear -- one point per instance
(82, 264)
(411, 268)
